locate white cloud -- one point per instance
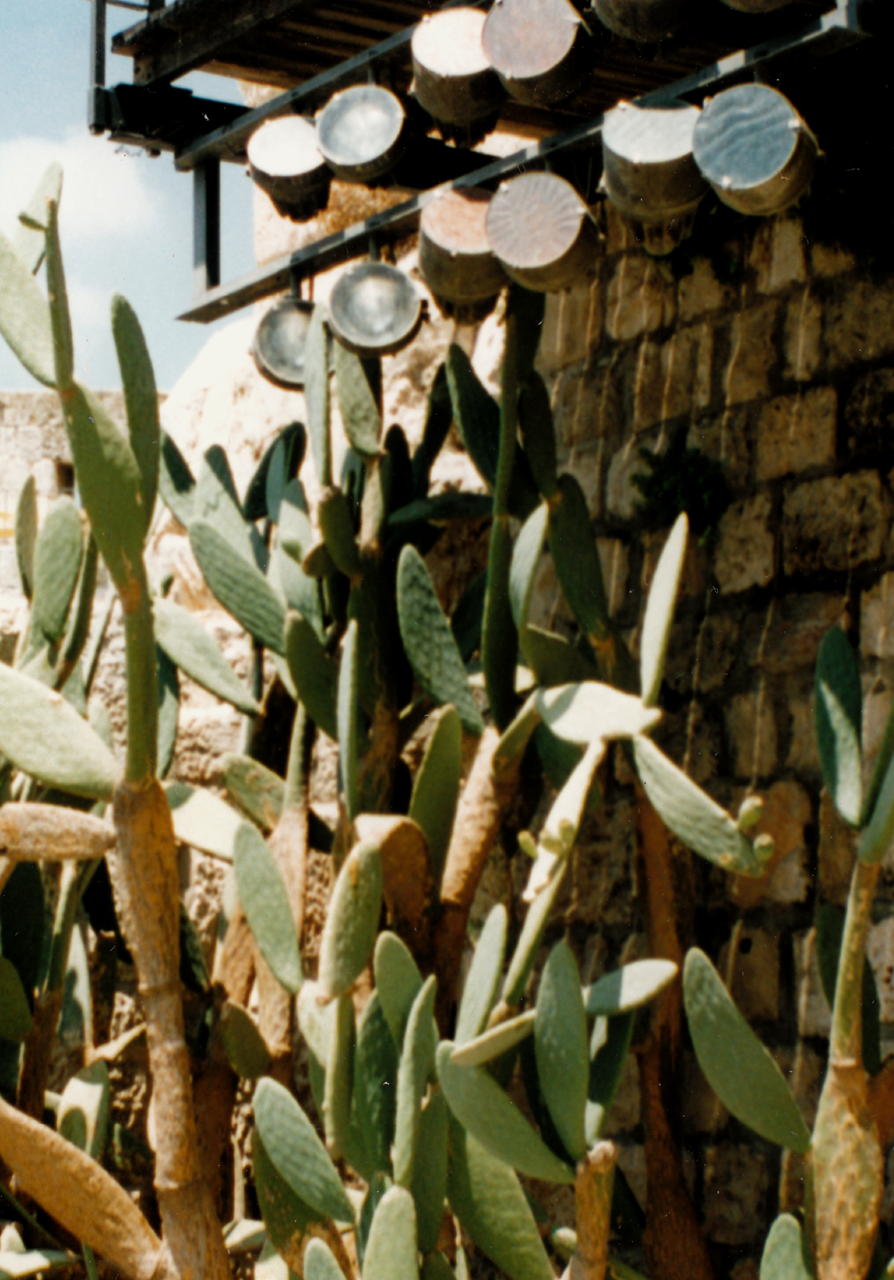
(108, 192)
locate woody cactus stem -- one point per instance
(593, 1204)
(846, 1152)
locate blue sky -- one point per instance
(126, 217)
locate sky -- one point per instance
(126, 217)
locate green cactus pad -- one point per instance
(429, 642)
(429, 1186)
(242, 1041)
(438, 419)
(525, 564)
(316, 394)
(140, 398)
(347, 715)
(337, 528)
(15, 1014)
(357, 402)
(26, 534)
(481, 1106)
(57, 561)
(266, 906)
(576, 558)
(239, 586)
(692, 815)
(110, 487)
(436, 786)
(838, 708)
(375, 1072)
(390, 1252)
(476, 414)
(609, 1046)
(313, 672)
(42, 734)
(495, 1041)
(337, 1086)
(487, 1198)
(416, 1064)
(536, 918)
(351, 921)
(82, 1115)
(560, 1047)
(257, 790)
(398, 981)
(482, 983)
(629, 987)
(660, 610)
(188, 644)
(168, 710)
(784, 1252)
(25, 316)
(297, 1154)
(202, 819)
(538, 437)
(738, 1068)
(582, 712)
(217, 502)
(319, 1262)
(31, 234)
(176, 482)
(451, 505)
(57, 292)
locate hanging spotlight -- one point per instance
(754, 149)
(374, 309)
(649, 171)
(455, 257)
(359, 132)
(278, 346)
(536, 47)
(285, 161)
(542, 233)
(453, 79)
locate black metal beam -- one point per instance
(206, 226)
(840, 26)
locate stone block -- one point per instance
(777, 254)
(834, 523)
(640, 297)
(785, 637)
(622, 496)
(735, 1191)
(572, 323)
(745, 545)
(753, 353)
(752, 735)
(801, 754)
(614, 557)
(830, 260)
(701, 1109)
(802, 337)
(755, 974)
(814, 1016)
(588, 404)
(869, 414)
(859, 322)
(717, 648)
(787, 811)
(663, 379)
(701, 292)
(877, 619)
(727, 438)
(796, 433)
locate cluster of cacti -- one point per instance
(413, 1075)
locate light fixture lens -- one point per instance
(278, 347)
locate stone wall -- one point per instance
(781, 372)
